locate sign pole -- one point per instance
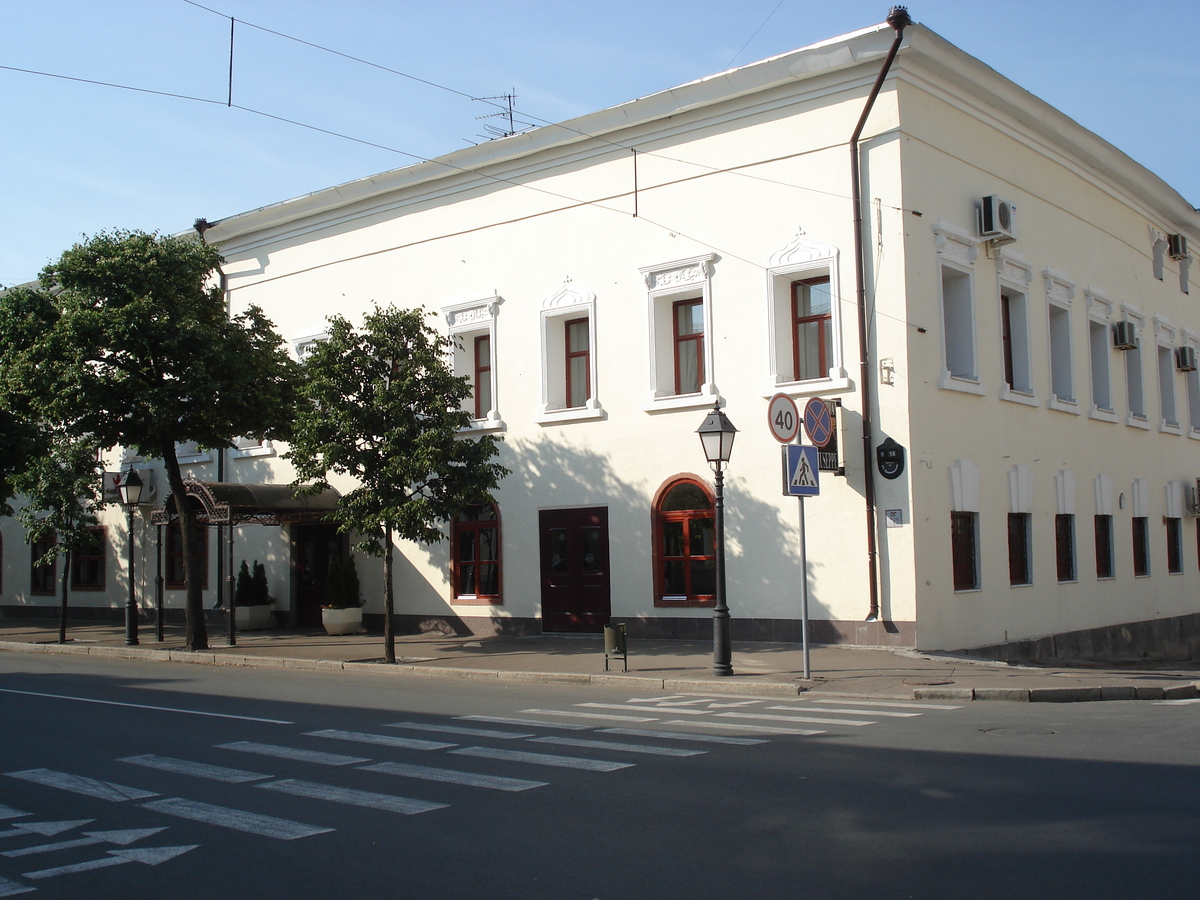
(804, 593)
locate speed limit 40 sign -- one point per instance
(783, 418)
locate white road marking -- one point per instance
(566, 726)
(861, 712)
(333, 794)
(293, 753)
(195, 769)
(617, 745)
(811, 720)
(236, 819)
(543, 759)
(608, 717)
(890, 704)
(681, 736)
(713, 703)
(383, 740)
(655, 699)
(457, 729)
(12, 888)
(77, 784)
(190, 712)
(452, 776)
(674, 711)
(7, 812)
(120, 838)
(47, 829)
(1176, 702)
(765, 729)
(150, 856)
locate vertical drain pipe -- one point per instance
(898, 18)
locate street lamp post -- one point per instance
(716, 436)
(130, 488)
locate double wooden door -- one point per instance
(574, 569)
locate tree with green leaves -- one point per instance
(383, 405)
(128, 340)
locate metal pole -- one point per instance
(232, 603)
(158, 586)
(131, 632)
(804, 592)
(722, 664)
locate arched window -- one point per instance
(685, 562)
(475, 555)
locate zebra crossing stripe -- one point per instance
(236, 819)
(458, 729)
(7, 812)
(681, 736)
(12, 888)
(861, 712)
(565, 726)
(582, 715)
(763, 729)
(452, 776)
(890, 704)
(543, 759)
(383, 740)
(333, 794)
(617, 745)
(808, 719)
(77, 784)
(196, 769)
(294, 753)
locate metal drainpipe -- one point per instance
(898, 18)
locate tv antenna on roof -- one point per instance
(506, 112)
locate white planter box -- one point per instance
(253, 618)
(342, 621)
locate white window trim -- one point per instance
(1133, 314)
(800, 257)
(302, 345)
(957, 249)
(264, 448)
(1060, 293)
(666, 283)
(1165, 339)
(1099, 310)
(191, 459)
(564, 304)
(1158, 252)
(471, 316)
(1016, 275)
(1189, 338)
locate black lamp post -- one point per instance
(716, 435)
(130, 488)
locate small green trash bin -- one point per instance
(615, 644)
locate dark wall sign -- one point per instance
(889, 456)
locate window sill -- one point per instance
(492, 422)
(683, 602)
(1137, 422)
(950, 382)
(590, 412)
(812, 388)
(1019, 397)
(1194, 434)
(195, 459)
(1170, 427)
(1103, 415)
(974, 590)
(683, 401)
(254, 452)
(1062, 404)
(478, 601)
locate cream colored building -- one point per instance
(612, 277)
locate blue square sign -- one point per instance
(801, 477)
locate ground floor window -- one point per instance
(1141, 546)
(1064, 546)
(964, 548)
(1174, 545)
(475, 561)
(1019, 568)
(174, 557)
(685, 561)
(87, 563)
(1105, 565)
(42, 575)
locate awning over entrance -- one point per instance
(230, 503)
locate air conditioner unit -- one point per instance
(997, 219)
(1185, 358)
(1124, 335)
(1177, 246)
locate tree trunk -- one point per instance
(62, 609)
(389, 637)
(196, 637)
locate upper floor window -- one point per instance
(473, 328)
(569, 385)
(689, 345)
(576, 337)
(482, 378)
(475, 555)
(1133, 372)
(1060, 294)
(956, 257)
(812, 328)
(680, 318)
(1099, 312)
(685, 561)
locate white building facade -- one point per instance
(1031, 327)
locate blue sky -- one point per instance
(79, 158)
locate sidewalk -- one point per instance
(657, 665)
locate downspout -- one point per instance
(898, 18)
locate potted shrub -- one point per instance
(252, 599)
(342, 611)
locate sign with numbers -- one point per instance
(783, 418)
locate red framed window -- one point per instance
(1141, 546)
(475, 559)
(1064, 546)
(87, 563)
(483, 375)
(964, 548)
(688, 320)
(42, 577)
(1105, 562)
(685, 561)
(173, 557)
(579, 362)
(1174, 545)
(1020, 569)
(812, 328)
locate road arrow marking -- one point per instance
(7, 812)
(12, 888)
(45, 829)
(93, 837)
(149, 857)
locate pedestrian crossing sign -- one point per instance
(801, 477)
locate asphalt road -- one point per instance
(136, 779)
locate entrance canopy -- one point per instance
(230, 503)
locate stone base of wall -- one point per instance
(1176, 638)
(90, 615)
